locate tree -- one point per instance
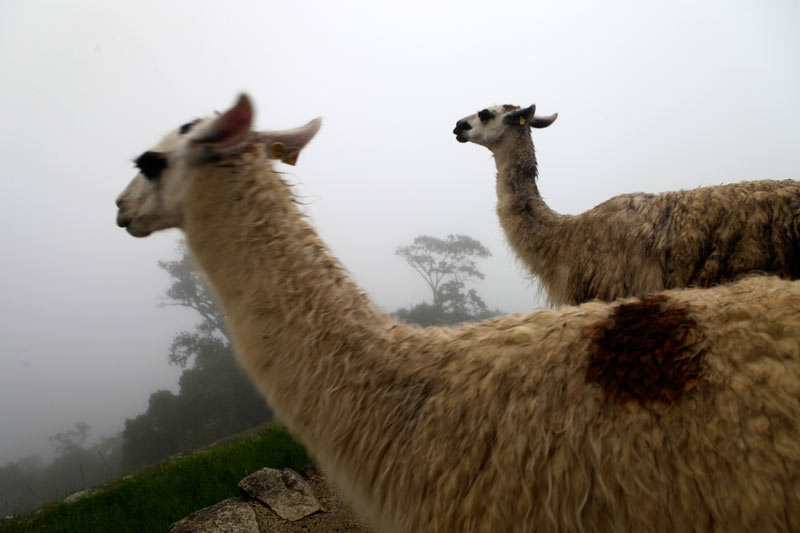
(76, 466)
(67, 441)
(29, 482)
(190, 289)
(443, 261)
(215, 399)
(446, 265)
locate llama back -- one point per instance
(728, 231)
(600, 417)
(689, 400)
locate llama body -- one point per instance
(635, 244)
(679, 411)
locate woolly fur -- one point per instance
(519, 423)
(634, 244)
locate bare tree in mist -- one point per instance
(446, 265)
(190, 289)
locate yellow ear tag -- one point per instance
(521, 121)
(277, 150)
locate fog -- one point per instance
(651, 96)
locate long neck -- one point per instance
(517, 193)
(295, 318)
(533, 230)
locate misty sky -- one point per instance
(651, 96)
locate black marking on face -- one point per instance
(485, 115)
(462, 126)
(186, 127)
(151, 164)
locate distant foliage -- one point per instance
(445, 265)
(30, 482)
(215, 399)
(154, 498)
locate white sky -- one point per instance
(651, 96)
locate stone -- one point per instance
(75, 496)
(283, 491)
(230, 516)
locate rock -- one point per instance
(75, 496)
(283, 491)
(312, 472)
(229, 516)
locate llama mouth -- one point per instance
(461, 138)
(134, 232)
(132, 229)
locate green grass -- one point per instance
(153, 498)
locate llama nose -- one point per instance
(462, 125)
(122, 220)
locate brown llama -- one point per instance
(634, 244)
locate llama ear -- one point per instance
(520, 117)
(543, 122)
(287, 144)
(228, 128)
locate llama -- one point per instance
(674, 412)
(634, 244)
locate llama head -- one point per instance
(154, 198)
(491, 126)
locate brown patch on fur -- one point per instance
(509, 107)
(646, 351)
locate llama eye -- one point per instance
(151, 164)
(183, 130)
(485, 115)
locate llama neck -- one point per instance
(517, 171)
(293, 314)
(524, 215)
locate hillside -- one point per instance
(154, 498)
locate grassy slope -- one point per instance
(153, 498)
